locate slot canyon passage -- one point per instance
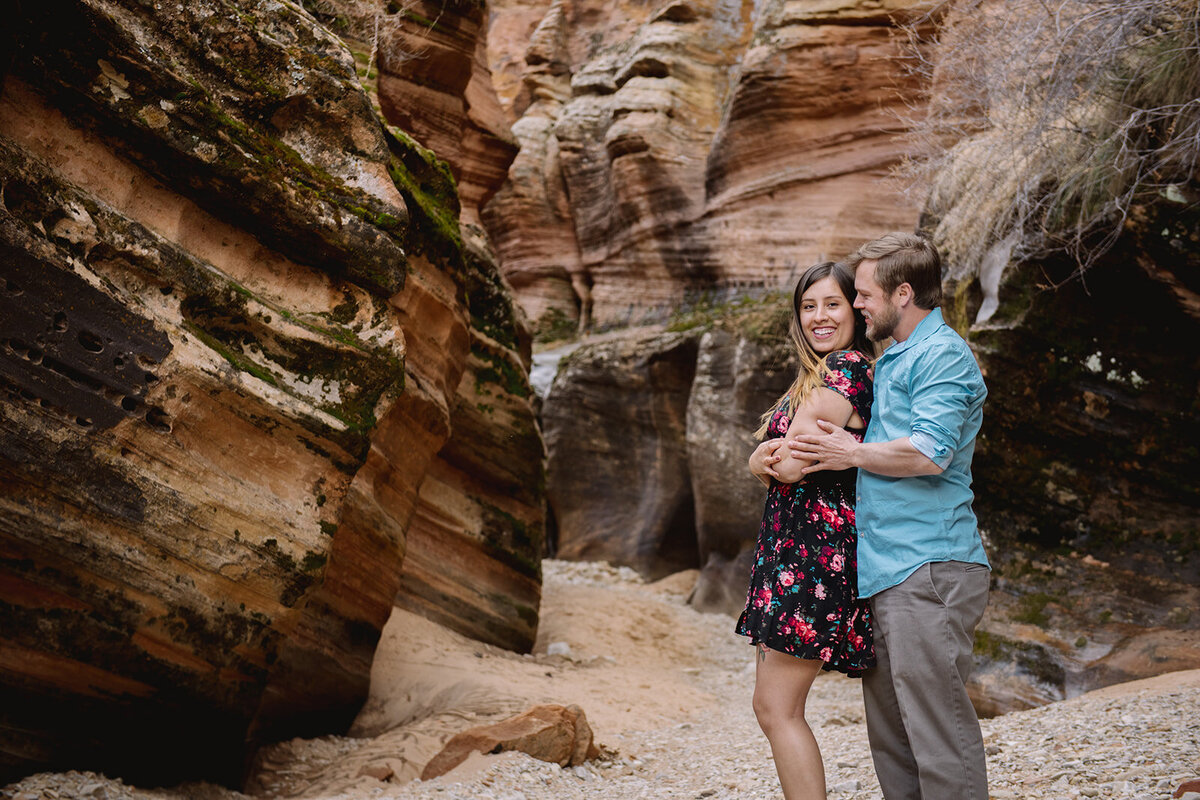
(372, 371)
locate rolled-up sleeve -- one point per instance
(943, 386)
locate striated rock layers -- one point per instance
(475, 539)
(678, 148)
(253, 381)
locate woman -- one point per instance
(803, 612)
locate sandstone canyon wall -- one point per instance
(476, 535)
(674, 149)
(257, 384)
(648, 439)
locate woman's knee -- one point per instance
(766, 712)
(773, 714)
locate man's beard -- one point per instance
(883, 325)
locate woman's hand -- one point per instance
(764, 458)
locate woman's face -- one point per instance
(826, 317)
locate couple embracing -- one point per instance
(869, 559)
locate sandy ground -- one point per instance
(632, 664)
(667, 691)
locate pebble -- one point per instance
(1137, 746)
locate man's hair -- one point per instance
(904, 258)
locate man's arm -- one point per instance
(837, 449)
(822, 404)
(944, 384)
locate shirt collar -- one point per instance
(925, 328)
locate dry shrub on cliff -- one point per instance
(1048, 120)
(395, 24)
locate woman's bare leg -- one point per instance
(781, 685)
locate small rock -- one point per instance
(380, 772)
(558, 649)
(546, 732)
(846, 787)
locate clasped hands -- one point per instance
(832, 450)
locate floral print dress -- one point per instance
(803, 597)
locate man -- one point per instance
(921, 561)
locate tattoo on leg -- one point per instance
(762, 653)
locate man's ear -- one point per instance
(904, 295)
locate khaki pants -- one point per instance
(924, 733)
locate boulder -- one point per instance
(558, 734)
(723, 583)
(634, 481)
(738, 377)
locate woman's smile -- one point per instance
(826, 317)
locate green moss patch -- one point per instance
(428, 187)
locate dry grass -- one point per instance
(396, 26)
(1047, 120)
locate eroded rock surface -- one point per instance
(738, 377)
(648, 439)
(476, 536)
(239, 327)
(679, 147)
(617, 471)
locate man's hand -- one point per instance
(835, 449)
(764, 458)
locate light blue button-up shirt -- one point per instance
(928, 389)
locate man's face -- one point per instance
(881, 315)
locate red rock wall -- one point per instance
(476, 538)
(239, 327)
(678, 148)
